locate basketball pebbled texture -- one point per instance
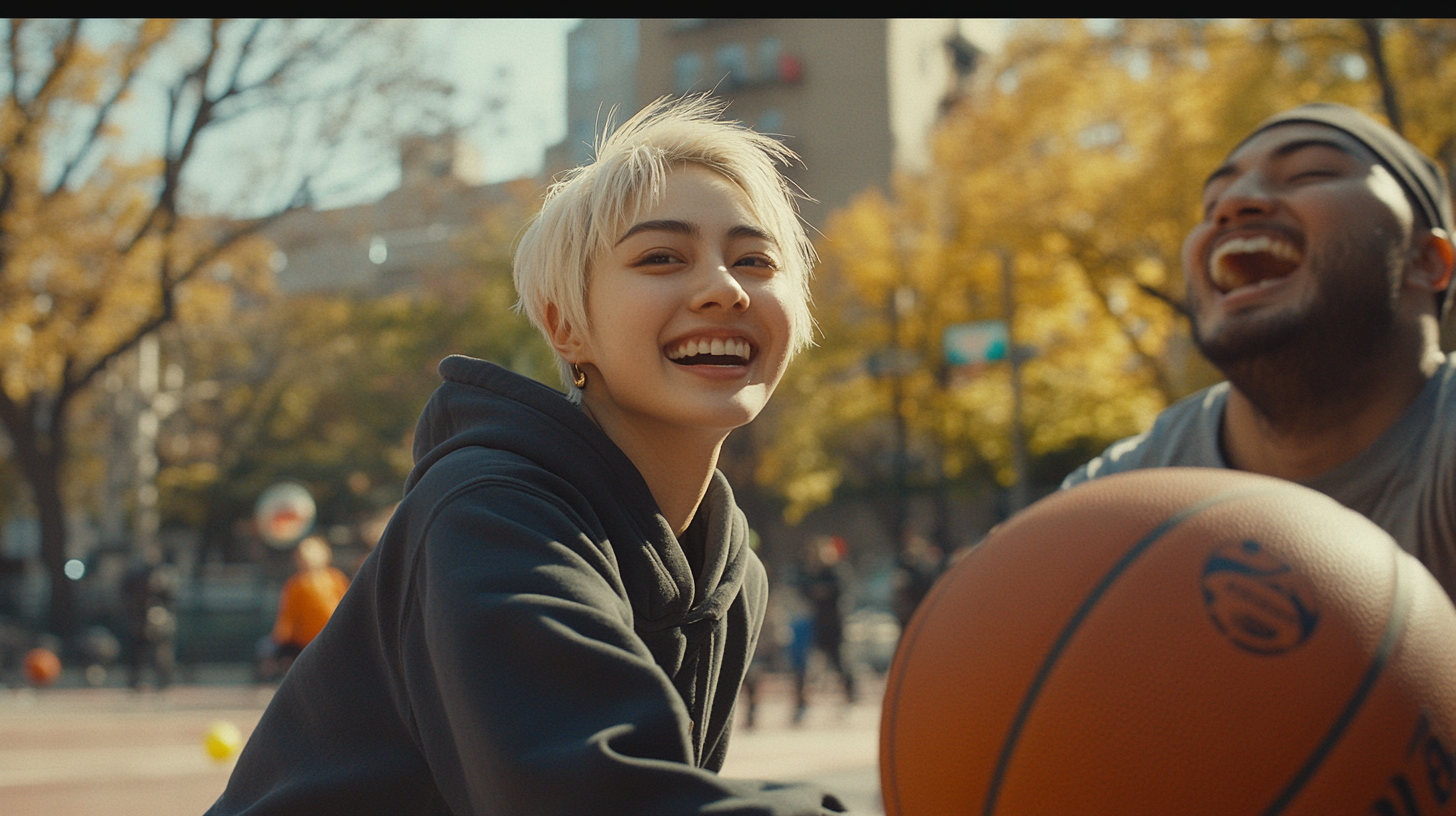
(1176, 641)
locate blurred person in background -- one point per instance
(13, 643)
(827, 585)
(917, 565)
(149, 599)
(308, 600)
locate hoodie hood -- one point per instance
(484, 405)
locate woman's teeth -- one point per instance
(716, 347)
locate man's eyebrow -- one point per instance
(1285, 150)
(1227, 168)
(662, 225)
(1314, 141)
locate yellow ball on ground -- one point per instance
(222, 740)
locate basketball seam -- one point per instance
(1044, 672)
(1394, 627)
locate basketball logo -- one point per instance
(1256, 600)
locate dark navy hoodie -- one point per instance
(529, 637)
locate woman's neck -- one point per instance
(677, 464)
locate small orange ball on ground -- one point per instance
(42, 667)
(1176, 641)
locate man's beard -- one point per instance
(1298, 364)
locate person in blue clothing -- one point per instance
(560, 613)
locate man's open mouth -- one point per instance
(720, 351)
(1261, 259)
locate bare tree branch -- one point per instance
(103, 115)
(1173, 303)
(32, 112)
(1375, 44)
(170, 283)
(243, 52)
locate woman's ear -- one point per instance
(565, 340)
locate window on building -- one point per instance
(771, 122)
(687, 72)
(583, 136)
(629, 39)
(731, 62)
(583, 64)
(769, 52)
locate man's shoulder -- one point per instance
(1446, 389)
(1184, 434)
(1439, 418)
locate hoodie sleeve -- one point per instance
(529, 689)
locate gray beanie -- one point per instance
(1423, 180)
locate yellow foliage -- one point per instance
(1077, 158)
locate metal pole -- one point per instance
(900, 305)
(148, 428)
(1013, 354)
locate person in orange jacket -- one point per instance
(308, 599)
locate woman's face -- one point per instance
(688, 320)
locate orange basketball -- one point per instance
(42, 667)
(1176, 641)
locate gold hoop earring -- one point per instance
(578, 377)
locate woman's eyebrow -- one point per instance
(747, 231)
(664, 225)
(691, 230)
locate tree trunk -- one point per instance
(47, 488)
(41, 452)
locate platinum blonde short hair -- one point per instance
(587, 209)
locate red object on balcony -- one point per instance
(791, 69)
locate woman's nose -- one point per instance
(721, 288)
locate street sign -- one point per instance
(980, 341)
(285, 513)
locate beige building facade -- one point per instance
(856, 99)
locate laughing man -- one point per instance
(1316, 283)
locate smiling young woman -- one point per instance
(688, 332)
(561, 611)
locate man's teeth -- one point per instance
(717, 346)
(1228, 271)
(1283, 250)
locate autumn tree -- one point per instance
(325, 388)
(111, 136)
(1074, 163)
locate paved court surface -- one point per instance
(114, 752)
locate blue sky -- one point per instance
(533, 83)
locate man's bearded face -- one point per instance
(1301, 249)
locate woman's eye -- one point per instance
(658, 259)
(759, 261)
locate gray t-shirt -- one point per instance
(1405, 481)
